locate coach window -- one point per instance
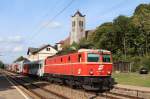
(79, 58)
(69, 59)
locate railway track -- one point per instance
(79, 93)
(111, 95)
(35, 89)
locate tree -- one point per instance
(69, 49)
(122, 26)
(141, 20)
(1, 65)
(84, 43)
(103, 37)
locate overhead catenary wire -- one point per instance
(110, 9)
(51, 20)
(113, 7)
(46, 14)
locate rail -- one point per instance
(36, 90)
(116, 93)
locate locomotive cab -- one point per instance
(96, 63)
(103, 62)
(98, 70)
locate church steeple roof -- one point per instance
(78, 13)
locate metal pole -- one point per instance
(137, 94)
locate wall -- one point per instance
(41, 55)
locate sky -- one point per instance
(32, 23)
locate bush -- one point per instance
(1, 64)
(136, 63)
(146, 62)
(139, 62)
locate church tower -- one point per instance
(78, 27)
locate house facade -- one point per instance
(35, 54)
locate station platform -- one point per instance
(8, 90)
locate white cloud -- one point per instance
(1, 39)
(11, 39)
(15, 38)
(17, 49)
(5, 48)
(52, 25)
(11, 48)
(11, 44)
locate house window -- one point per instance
(48, 49)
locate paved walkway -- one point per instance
(134, 87)
(9, 91)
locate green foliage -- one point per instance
(128, 38)
(74, 46)
(141, 20)
(69, 49)
(1, 65)
(136, 63)
(85, 44)
(135, 79)
(146, 62)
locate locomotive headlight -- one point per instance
(91, 72)
(79, 71)
(109, 72)
(100, 68)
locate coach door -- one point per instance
(41, 68)
(70, 67)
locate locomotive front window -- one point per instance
(106, 58)
(93, 57)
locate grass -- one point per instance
(135, 79)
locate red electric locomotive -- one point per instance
(87, 68)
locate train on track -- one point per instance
(87, 68)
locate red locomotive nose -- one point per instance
(91, 72)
